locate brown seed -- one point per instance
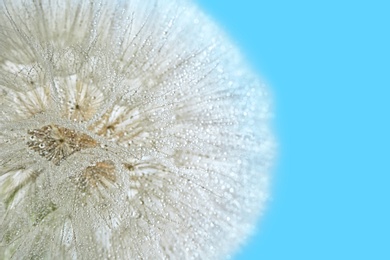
(57, 143)
(129, 166)
(102, 173)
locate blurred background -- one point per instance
(328, 67)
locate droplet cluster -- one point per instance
(128, 130)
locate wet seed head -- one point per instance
(128, 130)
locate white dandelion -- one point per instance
(129, 130)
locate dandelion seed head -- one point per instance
(129, 130)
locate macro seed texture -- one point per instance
(129, 130)
(56, 143)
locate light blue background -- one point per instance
(328, 66)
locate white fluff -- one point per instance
(129, 130)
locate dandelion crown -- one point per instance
(129, 130)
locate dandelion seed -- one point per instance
(102, 173)
(56, 143)
(128, 130)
